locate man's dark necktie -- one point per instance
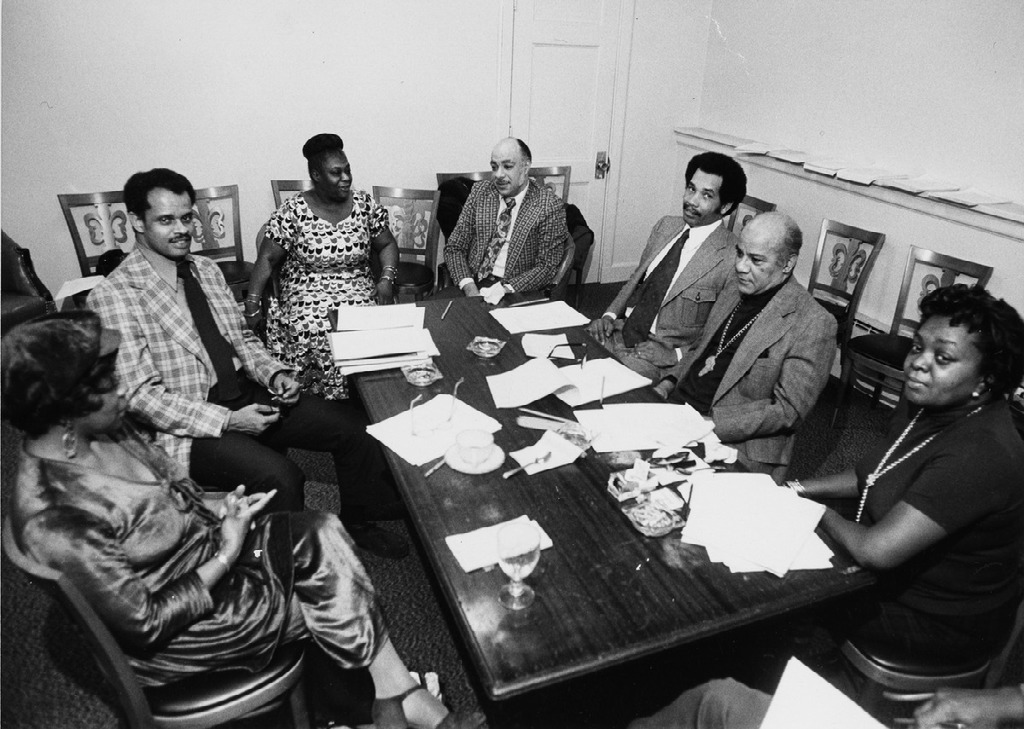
(651, 294)
(497, 240)
(217, 347)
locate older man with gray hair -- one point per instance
(765, 354)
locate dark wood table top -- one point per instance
(605, 593)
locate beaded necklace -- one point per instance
(881, 469)
(709, 363)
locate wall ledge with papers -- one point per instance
(1004, 219)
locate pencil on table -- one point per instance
(445, 312)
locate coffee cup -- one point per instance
(474, 446)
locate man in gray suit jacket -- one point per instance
(765, 353)
(662, 307)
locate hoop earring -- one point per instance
(69, 440)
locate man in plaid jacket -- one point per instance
(526, 257)
(233, 431)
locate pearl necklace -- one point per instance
(881, 469)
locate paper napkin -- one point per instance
(479, 548)
(561, 450)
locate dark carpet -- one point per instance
(48, 679)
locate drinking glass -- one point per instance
(518, 554)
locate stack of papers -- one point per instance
(478, 549)
(538, 317)
(430, 443)
(573, 385)
(804, 700)
(746, 519)
(643, 426)
(917, 185)
(752, 148)
(828, 166)
(969, 198)
(789, 155)
(380, 338)
(867, 175)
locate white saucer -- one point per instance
(454, 459)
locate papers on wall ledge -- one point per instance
(539, 317)
(573, 385)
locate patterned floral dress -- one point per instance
(326, 266)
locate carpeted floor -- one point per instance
(48, 679)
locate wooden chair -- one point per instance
(583, 240)
(475, 176)
(747, 209)
(206, 700)
(413, 216)
(842, 264)
(555, 178)
(287, 188)
(878, 358)
(219, 235)
(98, 222)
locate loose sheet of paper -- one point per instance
(477, 549)
(351, 318)
(597, 378)
(642, 426)
(560, 453)
(804, 700)
(526, 383)
(355, 345)
(539, 317)
(540, 345)
(434, 433)
(749, 516)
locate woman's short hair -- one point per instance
(317, 147)
(997, 326)
(55, 368)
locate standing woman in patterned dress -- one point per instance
(323, 240)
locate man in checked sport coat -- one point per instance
(224, 407)
(765, 353)
(532, 252)
(715, 185)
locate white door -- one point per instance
(562, 94)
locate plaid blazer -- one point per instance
(775, 377)
(538, 239)
(161, 362)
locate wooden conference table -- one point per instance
(605, 593)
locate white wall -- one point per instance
(226, 92)
(935, 86)
(665, 77)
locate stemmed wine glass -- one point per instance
(518, 554)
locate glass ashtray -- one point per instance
(652, 521)
(485, 347)
(421, 374)
(575, 434)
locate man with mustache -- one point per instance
(217, 401)
(662, 307)
(511, 233)
(765, 353)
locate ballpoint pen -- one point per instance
(445, 312)
(433, 468)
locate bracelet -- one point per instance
(390, 268)
(222, 559)
(389, 279)
(798, 488)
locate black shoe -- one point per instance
(378, 541)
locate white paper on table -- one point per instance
(352, 345)
(540, 345)
(644, 425)
(374, 364)
(75, 286)
(396, 432)
(917, 185)
(562, 453)
(749, 516)
(814, 555)
(526, 383)
(597, 378)
(967, 197)
(354, 318)
(539, 317)
(479, 548)
(804, 700)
